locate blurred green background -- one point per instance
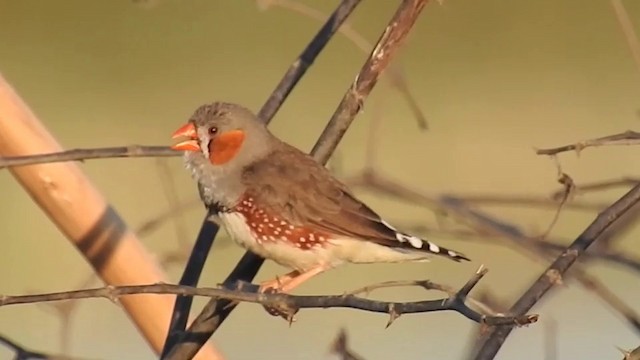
(495, 78)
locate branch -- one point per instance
(626, 138)
(395, 77)
(291, 303)
(553, 275)
(86, 154)
(353, 100)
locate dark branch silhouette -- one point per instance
(292, 303)
(554, 273)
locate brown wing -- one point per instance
(293, 184)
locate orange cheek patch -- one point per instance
(225, 146)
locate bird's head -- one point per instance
(224, 134)
(220, 141)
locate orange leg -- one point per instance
(277, 283)
(302, 277)
(287, 283)
(291, 280)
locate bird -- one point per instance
(279, 203)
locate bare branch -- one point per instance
(626, 138)
(496, 337)
(456, 302)
(87, 154)
(353, 100)
(427, 285)
(395, 76)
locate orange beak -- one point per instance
(191, 144)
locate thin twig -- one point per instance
(87, 154)
(553, 275)
(456, 302)
(427, 285)
(395, 76)
(626, 138)
(353, 100)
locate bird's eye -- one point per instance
(213, 130)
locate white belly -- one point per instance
(333, 253)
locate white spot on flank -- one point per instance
(321, 238)
(302, 239)
(290, 227)
(311, 237)
(272, 238)
(283, 223)
(287, 232)
(253, 224)
(270, 225)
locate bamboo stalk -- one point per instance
(81, 213)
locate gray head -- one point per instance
(222, 139)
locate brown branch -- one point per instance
(626, 138)
(353, 100)
(553, 275)
(292, 303)
(394, 73)
(87, 154)
(427, 285)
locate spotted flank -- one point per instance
(425, 245)
(268, 228)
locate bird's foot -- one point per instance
(273, 287)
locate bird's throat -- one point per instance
(225, 146)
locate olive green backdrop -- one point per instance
(496, 78)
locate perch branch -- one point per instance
(455, 302)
